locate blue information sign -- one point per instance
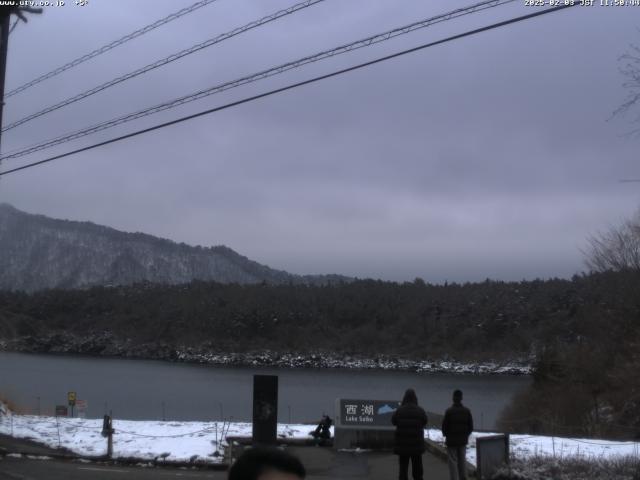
(371, 413)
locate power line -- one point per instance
(110, 46)
(381, 37)
(165, 61)
(295, 85)
(359, 44)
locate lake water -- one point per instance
(141, 389)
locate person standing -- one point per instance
(410, 420)
(457, 425)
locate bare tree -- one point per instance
(616, 249)
(630, 70)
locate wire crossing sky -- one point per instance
(277, 70)
(109, 46)
(289, 87)
(165, 61)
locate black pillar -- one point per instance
(265, 409)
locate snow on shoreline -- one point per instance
(96, 347)
(286, 360)
(197, 441)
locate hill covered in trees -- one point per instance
(38, 252)
(467, 322)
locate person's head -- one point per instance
(410, 397)
(267, 463)
(457, 396)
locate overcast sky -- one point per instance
(491, 156)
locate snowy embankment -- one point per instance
(198, 441)
(106, 345)
(527, 446)
(145, 440)
(328, 360)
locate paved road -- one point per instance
(321, 464)
(28, 469)
(324, 463)
(12, 444)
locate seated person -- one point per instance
(323, 429)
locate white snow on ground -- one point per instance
(188, 441)
(524, 446)
(148, 440)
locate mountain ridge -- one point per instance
(39, 252)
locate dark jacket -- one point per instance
(457, 425)
(410, 421)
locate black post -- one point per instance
(110, 444)
(265, 409)
(107, 431)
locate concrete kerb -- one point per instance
(441, 452)
(58, 456)
(68, 455)
(129, 461)
(199, 464)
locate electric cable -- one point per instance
(164, 61)
(293, 86)
(256, 77)
(110, 46)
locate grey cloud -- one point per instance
(491, 156)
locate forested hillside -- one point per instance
(38, 252)
(582, 334)
(471, 321)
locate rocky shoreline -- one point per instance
(106, 345)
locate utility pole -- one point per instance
(4, 38)
(5, 25)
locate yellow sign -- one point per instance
(71, 396)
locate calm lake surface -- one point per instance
(141, 389)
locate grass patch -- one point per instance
(572, 468)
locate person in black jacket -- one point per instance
(410, 421)
(457, 425)
(322, 431)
